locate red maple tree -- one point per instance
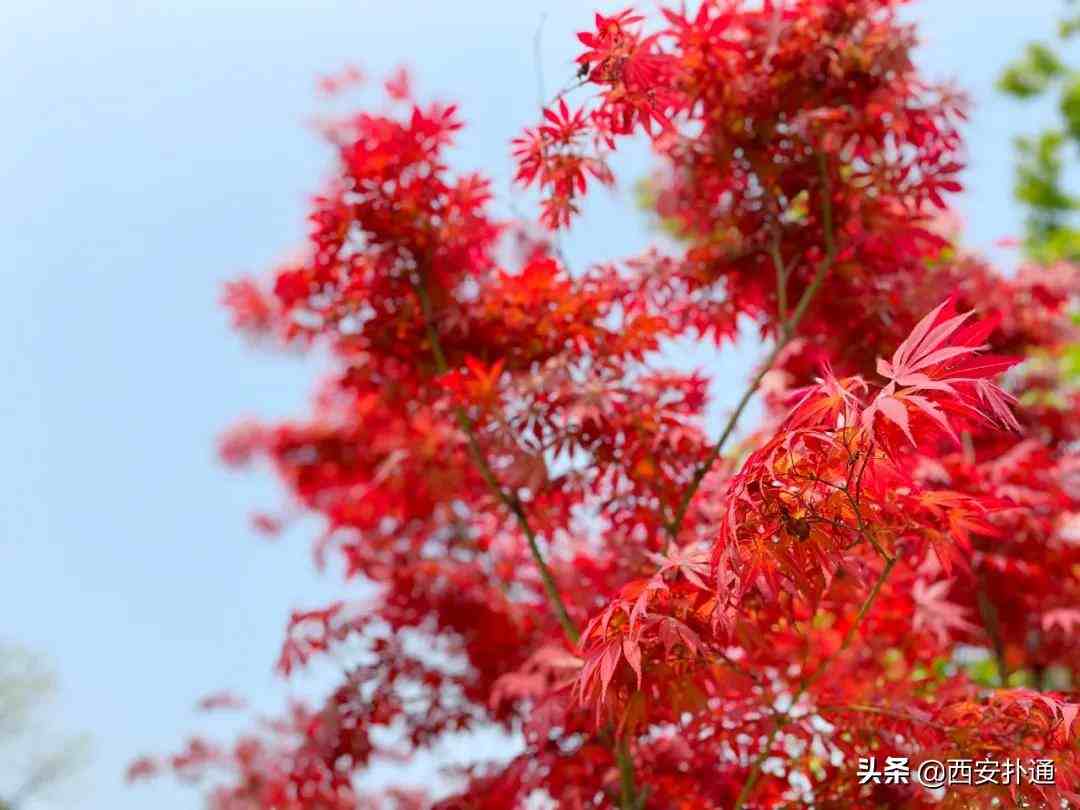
(661, 617)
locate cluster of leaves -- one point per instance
(1051, 230)
(558, 545)
(1052, 233)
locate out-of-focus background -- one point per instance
(151, 150)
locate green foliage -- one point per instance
(1072, 361)
(1070, 106)
(1040, 189)
(1069, 26)
(1051, 232)
(1031, 74)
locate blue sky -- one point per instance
(148, 152)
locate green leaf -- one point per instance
(1070, 106)
(1071, 362)
(1031, 75)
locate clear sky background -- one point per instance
(150, 150)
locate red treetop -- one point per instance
(564, 549)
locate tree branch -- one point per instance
(781, 718)
(885, 711)
(781, 277)
(784, 336)
(629, 799)
(989, 615)
(509, 499)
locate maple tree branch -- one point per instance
(738, 670)
(509, 499)
(568, 88)
(885, 711)
(865, 529)
(989, 614)
(629, 799)
(987, 609)
(780, 719)
(781, 277)
(849, 636)
(784, 336)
